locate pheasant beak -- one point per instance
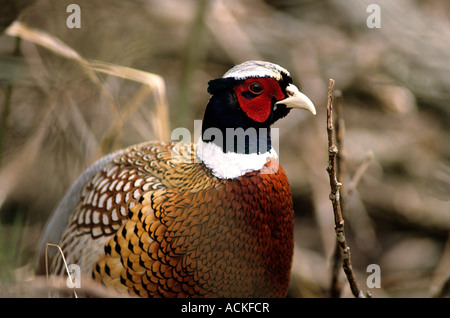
(297, 99)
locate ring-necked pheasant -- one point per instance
(218, 223)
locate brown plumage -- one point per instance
(143, 222)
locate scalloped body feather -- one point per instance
(156, 228)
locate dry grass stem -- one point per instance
(153, 84)
(64, 260)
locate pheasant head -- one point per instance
(244, 103)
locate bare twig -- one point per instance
(345, 191)
(335, 197)
(336, 276)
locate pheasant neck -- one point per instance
(231, 165)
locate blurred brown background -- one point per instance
(65, 101)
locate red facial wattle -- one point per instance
(255, 103)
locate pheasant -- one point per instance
(208, 219)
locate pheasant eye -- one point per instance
(255, 88)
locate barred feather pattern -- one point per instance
(156, 227)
